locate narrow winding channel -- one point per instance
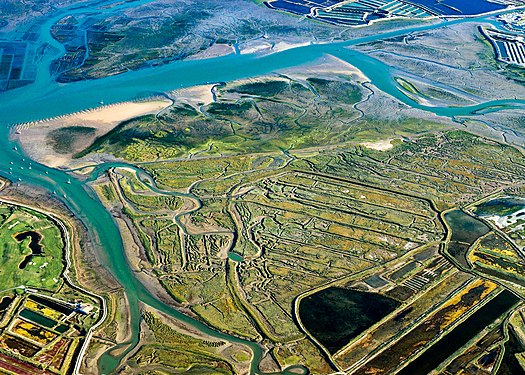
(45, 98)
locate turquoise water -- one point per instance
(235, 257)
(45, 98)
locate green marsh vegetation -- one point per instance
(268, 114)
(300, 221)
(177, 351)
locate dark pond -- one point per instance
(460, 335)
(510, 365)
(375, 281)
(459, 252)
(22, 346)
(502, 275)
(290, 7)
(6, 301)
(489, 358)
(52, 305)
(37, 318)
(425, 254)
(403, 271)
(334, 316)
(61, 328)
(34, 245)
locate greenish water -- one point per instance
(500, 206)
(45, 98)
(61, 328)
(465, 231)
(465, 228)
(235, 257)
(37, 318)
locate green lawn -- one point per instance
(42, 271)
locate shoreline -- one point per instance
(69, 263)
(53, 141)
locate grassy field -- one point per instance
(42, 271)
(175, 350)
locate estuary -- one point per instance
(46, 98)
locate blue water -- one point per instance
(45, 98)
(442, 7)
(459, 7)
(50, 99)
